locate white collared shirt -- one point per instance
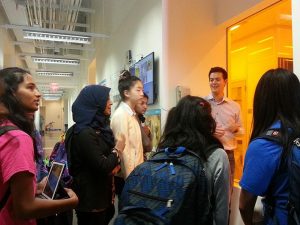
(124, 122)
(225, 112)
(126, 107)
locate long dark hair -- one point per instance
(10, 78)
(277, 97)
(190, 124)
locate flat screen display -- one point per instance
(144, 69)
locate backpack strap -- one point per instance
(3, 130)
(273, 134)
(4, 199)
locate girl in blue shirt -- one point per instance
(276, 105)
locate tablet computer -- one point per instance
(52, 180)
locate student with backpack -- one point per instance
(93, 155)
(19, 204)
(267, 169)
(187, 180)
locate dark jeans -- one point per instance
(95, 218)
(230, 155)
(119, 185)
(64, 218)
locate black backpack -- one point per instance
(3, 130)
(169, 188)
(293, 166)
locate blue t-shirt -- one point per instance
(262, 176)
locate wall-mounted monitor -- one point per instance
(144, 69)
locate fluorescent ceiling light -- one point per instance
(234, 27)
(265, 39)
(50, 98)
(55, 60)
(54, 74)
(283, 53)
(285, 17)
(260, 50)
(52, 94)
(48, 92)
(49, 36)
(239, 49)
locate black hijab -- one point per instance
(88, 111)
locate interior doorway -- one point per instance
(256, 44)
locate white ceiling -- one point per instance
(77, 16)
(67, 15)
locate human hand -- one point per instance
(220, 131)
(116, 170)
(73, 197)
(232, 126)
(41, 185)
(120, 145)
(147, 130)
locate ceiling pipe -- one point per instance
(36, 22)
(50, 14)
(44, 13)
(40, 13)
(29, 13)
(60, 19)
(81, 9)
(77, 12)
(69, 14)
(65, 23)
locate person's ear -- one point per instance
(126, 93)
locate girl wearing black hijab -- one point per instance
(94, 156)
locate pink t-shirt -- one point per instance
(16, 155)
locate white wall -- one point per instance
(8, 57)
(228, 9)
(131, 24)
(192, 43)
(71, 98)
(54, 113)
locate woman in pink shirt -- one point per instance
(19, 100)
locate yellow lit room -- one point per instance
(256, 44)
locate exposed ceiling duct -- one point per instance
(52, 31)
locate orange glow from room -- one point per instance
(262, 42)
